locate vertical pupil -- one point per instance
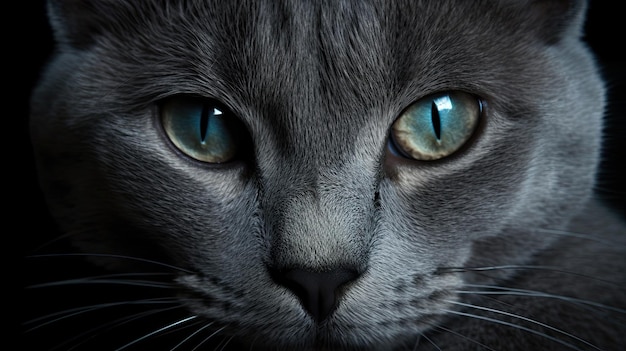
(204, 122)
(436, 120)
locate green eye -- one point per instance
(436, 126)
(201, 129)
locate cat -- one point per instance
(326, 175)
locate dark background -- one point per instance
(32, 43)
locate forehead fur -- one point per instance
(297, 66)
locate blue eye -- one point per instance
(436, 126)
(201, 129)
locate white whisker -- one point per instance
(59, 238)
(497, 321)
(111, 325)
(226, 343)
(105, 279)
(430, 341)
(494, 268)
(580, 236)
(417, 342)
(131, 258)
(534, 293)
(208, 337)
(253, 342)
(525, 319)
(191, 336)
(447, 330)
(169, 326)
(85, 309)
(522, 267)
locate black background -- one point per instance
(31, 41)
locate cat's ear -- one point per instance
(552, 20)
(78, 22)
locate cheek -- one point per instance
(415, 226)
(450, 206)
(190, 209)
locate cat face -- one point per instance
(316, 172)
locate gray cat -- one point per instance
(335, 175)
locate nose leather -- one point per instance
(318, 291)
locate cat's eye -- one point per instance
(201, 129)
(436, 126)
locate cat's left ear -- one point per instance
(553, 20)
(77, 22)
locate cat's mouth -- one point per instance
(271, 316)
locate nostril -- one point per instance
(317, 291)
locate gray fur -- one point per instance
(318, 85)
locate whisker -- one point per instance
(534, 293)
(58, 239)
(191, 336)
(443, 270)
(208, 337)
(226, 342)
(493, 268)
(447, 330)
(85, 309)
(497, 321)
(253, 342)
(430, 341)
(417, 341)
(92, 333)
(169, 326)
(131, 258)
(104, 279)
(525, 319)
(579, 236)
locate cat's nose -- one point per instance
(317, 291)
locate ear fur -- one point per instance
(78, 22)
(74, 22)
(552, 20)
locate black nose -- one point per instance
(317, 291)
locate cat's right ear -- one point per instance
(77, 22)
(552, 20)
